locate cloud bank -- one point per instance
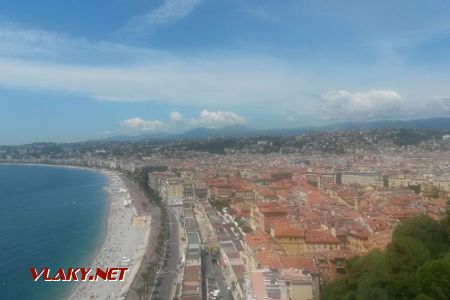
(177, 122)
(343, 104)
(48, 61)
(191, 82)
(216, 119)
(140, 125)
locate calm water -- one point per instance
(49, 217)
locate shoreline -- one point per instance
(126, 233)
(70, 291)
(55, 166)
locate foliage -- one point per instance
(151, 271)
(432, 234)
(434, 278)
(415, 265)
(219, 205)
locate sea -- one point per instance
(51, 217)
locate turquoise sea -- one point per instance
(49, 217)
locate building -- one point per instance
(263, 213)
(299, 285)
(290, 238)
(268, 284)
(356, 240)
(364, 179)
(318, 240)
(172, 191)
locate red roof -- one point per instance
(275, 260)
(318, 237)
(257, 238)
(283, 229)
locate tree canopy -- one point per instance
(415, 265)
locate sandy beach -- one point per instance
(126, 237)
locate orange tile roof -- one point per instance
(273, 210)
(299, 262)
(318, 236)
(274, 260)
(272, 207)
(257, 238)
(281, 229)
(269, 259)
(338, 254)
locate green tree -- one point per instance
(434, 278)
(423, 297)
(336, 290)
(370, 275)
(432, 234)
(368, 279)
(405, 255)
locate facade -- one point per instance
(356, 240)
(172, 191)
(318, 240)
(364, 179)
(244, 194)
(263, 213)
(299, 285)
(291, 239)
(328, 179)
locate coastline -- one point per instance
(51, 165)
(126, 234)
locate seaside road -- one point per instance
(215, 279)
(169, 273)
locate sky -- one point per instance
(76, 70)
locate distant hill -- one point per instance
(127, 138)
(244, 131)
(225, 132)
(433, 124)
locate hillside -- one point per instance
(415, 265)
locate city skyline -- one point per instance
(173, 65)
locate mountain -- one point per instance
(243, 131)
(225, 132)
(128, 138)
(432, 124)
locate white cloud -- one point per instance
(345, 105)
(438, 106)
(41, 45)
(172, 10)
(176, 117)
(140, 125)
(186, 82)
(217, 119)
(49, 61)
(177, 122)
(169, 12)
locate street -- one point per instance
(215, 280)
(169, 272)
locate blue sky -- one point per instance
(77, 70)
